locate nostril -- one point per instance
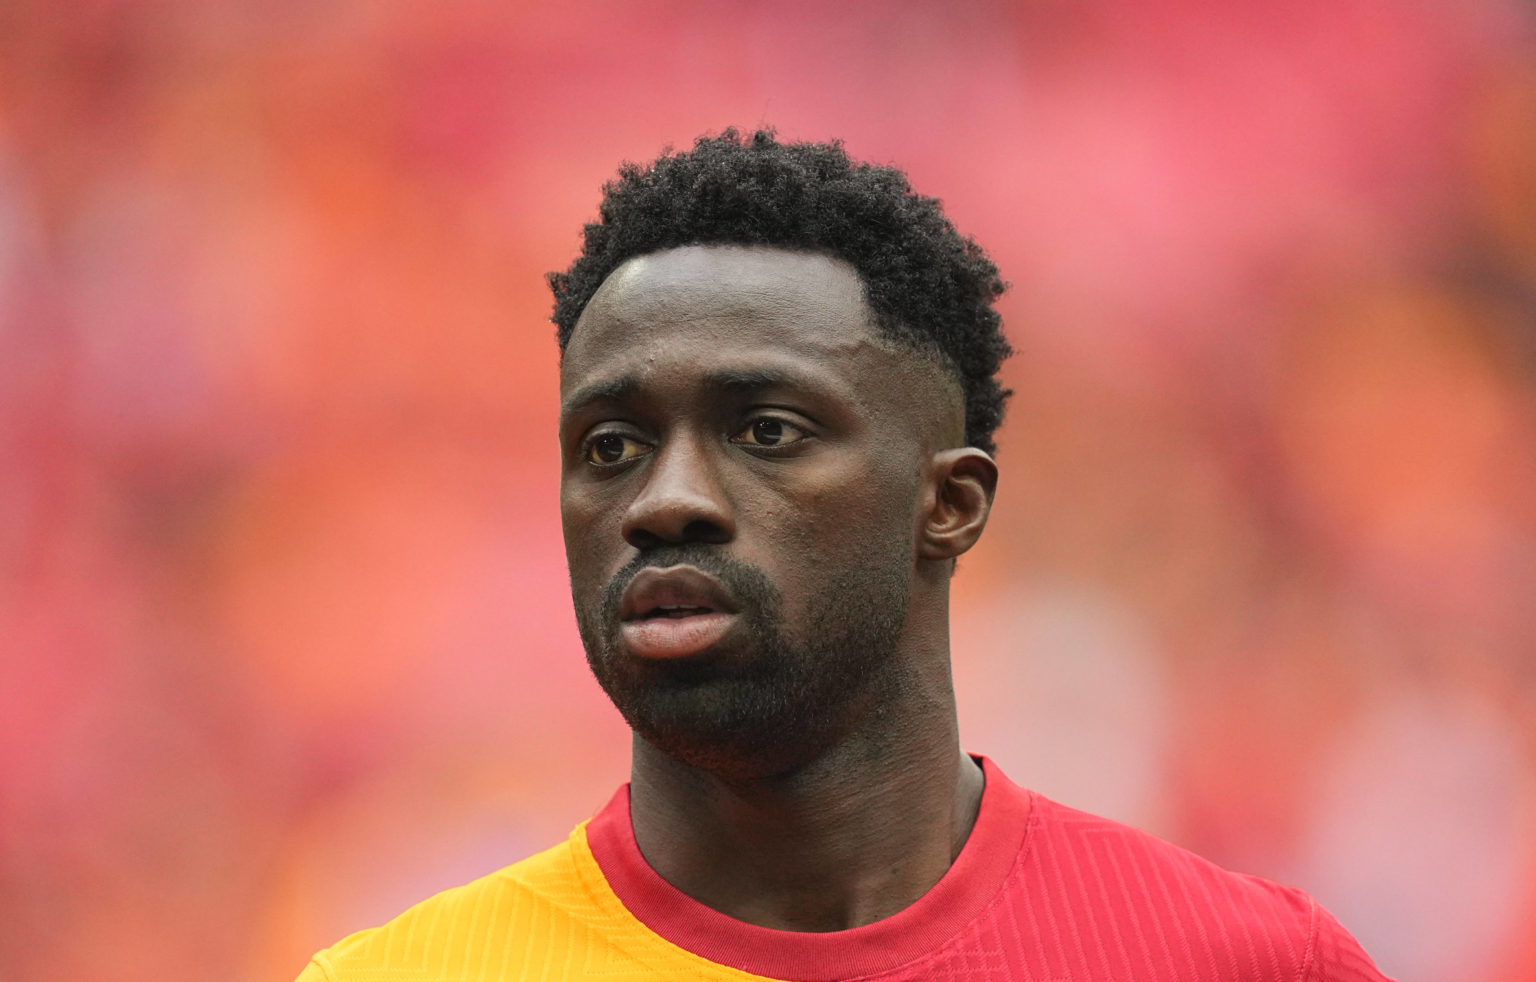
(644, 539)
(702, 530)
(698, 530)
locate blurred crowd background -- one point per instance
(285, 642)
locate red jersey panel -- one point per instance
(1040, 893)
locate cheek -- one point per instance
(873, 500)
(843, 520)
(585, 525)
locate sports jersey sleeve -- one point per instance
(314, 972)
(1336, 955)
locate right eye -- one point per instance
(613, 448)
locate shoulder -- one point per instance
(1157, 903)
(531, 906)
(1141, 870)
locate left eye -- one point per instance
(769, 432)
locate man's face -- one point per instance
(742, 465)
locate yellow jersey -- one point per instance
(552, 917)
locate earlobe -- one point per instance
(964, 481)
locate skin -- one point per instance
(833, 468)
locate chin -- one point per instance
(737, 756)
(743, 728)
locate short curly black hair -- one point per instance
(929, 286)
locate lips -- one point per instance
(674, 612)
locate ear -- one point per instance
(964, 480)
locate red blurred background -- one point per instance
(285, 634)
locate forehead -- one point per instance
(730, 282)
(731, 306)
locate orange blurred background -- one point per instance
(286, 638)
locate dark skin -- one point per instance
(742, 400)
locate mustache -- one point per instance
(747, 584)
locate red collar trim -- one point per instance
(959, 896)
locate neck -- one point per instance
(852, 836)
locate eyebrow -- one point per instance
(756, 379)
(609, 390)
(726, 380)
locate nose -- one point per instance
(681, 500)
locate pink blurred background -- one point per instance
(286, 638)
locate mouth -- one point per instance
(674, 613)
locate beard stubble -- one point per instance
(776, 697)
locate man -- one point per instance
(778, 395)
